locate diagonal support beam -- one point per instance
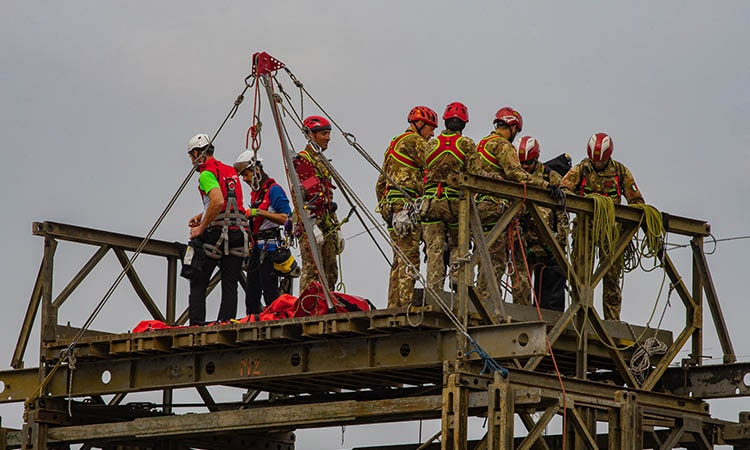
(80, 276)
(140, 290)
(486, 261)
(713, 304)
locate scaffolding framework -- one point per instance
(384, 365)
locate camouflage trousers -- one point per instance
(611, 290)
(440, 232)
(521, 279)
(401, 280)
(490, 210)
(328, 252)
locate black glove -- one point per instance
(556, 193)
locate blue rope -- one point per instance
(490, 365)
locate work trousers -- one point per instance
(328, 252)
(611, 290)
(230, 268)
(262, 281)
(402, 278)
(549, 281)
(440, 231)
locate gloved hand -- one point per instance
(556, 193)
(403, 223)
(318, 234)
(288, 227)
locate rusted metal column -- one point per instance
(694, 313)
(49, 311)
(455, 413)
(626, 424)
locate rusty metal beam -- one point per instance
(574, 203)
(493, 286)
(708, 381)
(91, 236)
(138, 286)
(81, 275)
(28, 319)
(259, 363)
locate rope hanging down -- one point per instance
(67, 353)
(359, 206)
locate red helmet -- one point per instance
(600, 147)
(528, 149)
(316, 123)
(456, 110)
(424, 114)
(510, 116)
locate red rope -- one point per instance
(549, 344)
(254, 130)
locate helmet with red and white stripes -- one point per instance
(600, 147)
(528, 149)
(510, 117)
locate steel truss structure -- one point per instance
(381, 366)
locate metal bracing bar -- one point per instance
(140, 290)
(548, 236)
(535, 430)
(574, 203)
(80, 276)
(557, 330)
(489, 273)
(671, 353)
(207, 399)
(501, 225)
(28, 319)
(582, 432)
(673, 439)
(713, 304)
(677, 282)
(622, 366)
(607, 263)
(90, 236)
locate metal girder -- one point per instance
(256, 364)
(527, 390)
(90, 236)
(574, 203)
(710, 381)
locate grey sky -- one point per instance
(99, 99)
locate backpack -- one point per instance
(560, 164)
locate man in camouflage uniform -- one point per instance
(600, 174)
(533, 254)
(397, 188)
(497, 158)
(317, 186)
(446, 155)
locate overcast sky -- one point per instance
(99, 99)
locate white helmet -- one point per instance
(200, 140)
(245, 160)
